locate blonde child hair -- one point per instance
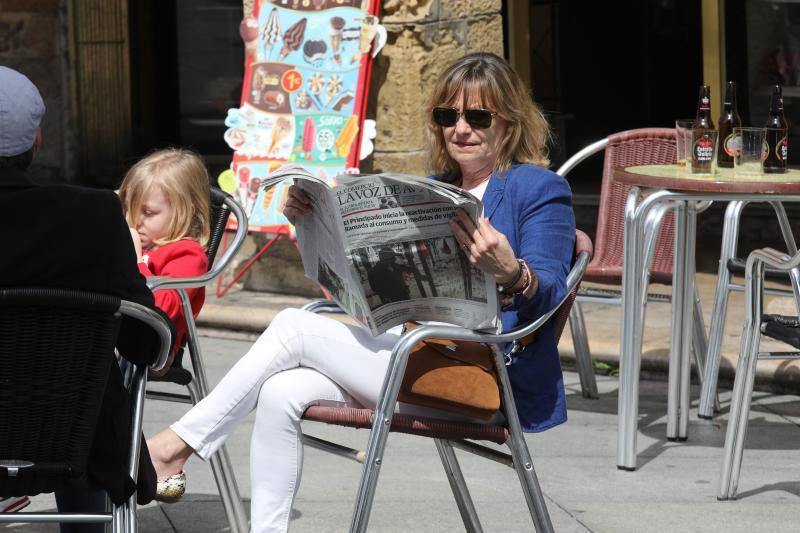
(183, 177)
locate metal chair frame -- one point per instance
(748, 358)
(577, 324)
(382, 417)
(725, 284)
(121, 517)
(198, 388)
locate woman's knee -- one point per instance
(290, 392)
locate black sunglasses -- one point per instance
(479, 119)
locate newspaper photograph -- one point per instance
(381, 246)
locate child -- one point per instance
(165, 198)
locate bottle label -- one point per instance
(703, 150)
(705, 103)
(782, 149)
(733, 145)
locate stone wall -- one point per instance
(33, 41)
(424, 36)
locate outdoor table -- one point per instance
(671, 187)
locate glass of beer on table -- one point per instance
(683, 140)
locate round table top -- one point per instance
(676, 178)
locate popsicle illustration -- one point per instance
(293, 38)
(347, 136)
(309, 131)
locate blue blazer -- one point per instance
(532, 206)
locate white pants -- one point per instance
(300, 360)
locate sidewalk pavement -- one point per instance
(673, 489)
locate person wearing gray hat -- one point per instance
(21, 112)
(76, 238)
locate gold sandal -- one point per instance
(171, 489)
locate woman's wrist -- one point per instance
(512, 283)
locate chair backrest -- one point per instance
(56, 346)
(219, 220)
(644, 146)
(582, 244)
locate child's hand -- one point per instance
(297, 204)
(137, 244)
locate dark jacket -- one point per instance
(72, 237)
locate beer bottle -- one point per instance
(730, 119)
(702, 144)
(777, 135)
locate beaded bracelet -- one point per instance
(505, 289)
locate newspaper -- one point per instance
(382, 247)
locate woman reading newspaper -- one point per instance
(486, 136)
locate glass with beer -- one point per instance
(683, 140)
(704, 151)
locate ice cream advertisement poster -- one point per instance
(307, 69)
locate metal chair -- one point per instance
(628, 148)
(755, 324)
(222, 206)
(729, 266)
(448, 434)
(56, 351)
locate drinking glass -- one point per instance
(749, 151)
(683, 140)
(703, 151)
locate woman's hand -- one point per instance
(485, 247)
(137, 244)
(297, 204)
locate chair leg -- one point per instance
(459, 486)
(119, 519)
(583, 357)
(741, 396)
(530, 483)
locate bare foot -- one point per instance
(168, 452)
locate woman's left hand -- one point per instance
(485, 247)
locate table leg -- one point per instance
(629, 361)
(676, 334)
(730, 234)
(688, 321)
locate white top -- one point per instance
(478, 191)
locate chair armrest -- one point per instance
(584, 153)
(166, 282)
(774, 258)
(158, 323)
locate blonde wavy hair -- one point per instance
(489, 79)
(183, 177)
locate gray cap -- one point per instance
(21, 110)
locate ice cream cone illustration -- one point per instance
(334, 87)
(272, 30)
(282, 128)
(369, 27)
(337, 28)
(346, 136)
